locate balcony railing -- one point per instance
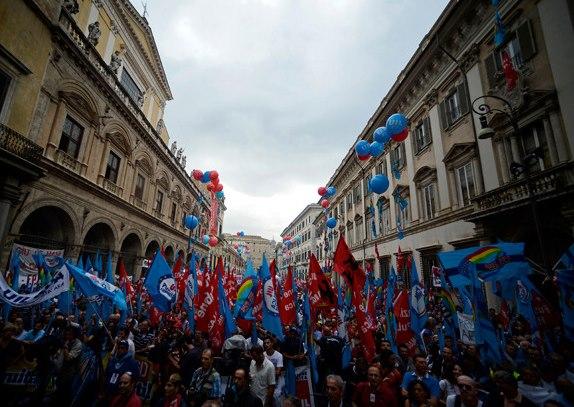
(19, 145)
(67, 161)
(542, 183)
(112, 187)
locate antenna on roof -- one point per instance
(144, 4)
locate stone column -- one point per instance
(550, 142)
(104, 160)
(514, 149)
(502, 161)
(561, 146)
(453, 189)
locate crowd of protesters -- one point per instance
(50, 358)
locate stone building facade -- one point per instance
(463, 190)
(82, 104)
(298, 254)
(257, 245)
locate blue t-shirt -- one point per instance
(430, 381)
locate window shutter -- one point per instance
(526, 40)
(426, 125)
(403, 155)
(491, 70)
(462, 98)
(442, 115)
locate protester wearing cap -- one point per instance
(119, 364)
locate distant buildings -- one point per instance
(302, 227)
(257, 246)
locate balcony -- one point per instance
(139, 203)
(112, 187)
(543, 185)
(68, 161)
(19, 145)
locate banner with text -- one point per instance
(60, 283)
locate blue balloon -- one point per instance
(382, 135)
(396, 123)
(331, 191)
(205, 179)
(241, 233)
(379, 184)
(363, 148)
(331, 223)
(219, 195)
(191, 222)
(205, 239)
(376, 149)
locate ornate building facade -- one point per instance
(297, 255)
(81, 109)
(257, 247)
(513, 183)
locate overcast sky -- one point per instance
(272, 93)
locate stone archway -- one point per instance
(48, 227)
(169, 255)
(130, 252)
(100, 237)
(151, 249)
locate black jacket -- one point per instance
(245, 399)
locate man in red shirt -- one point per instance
(375, 392)
(126, 396)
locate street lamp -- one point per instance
(483, 108)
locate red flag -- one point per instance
(273, 273)
(366, 333)
(258, 304)
(287, 311)
(504, 315)
(321, 292)
(181, 282)
(345, 264)
(404, 335)
(510, 74)
(206, 294)
(216, 325)
(125, 282)
(546, 317)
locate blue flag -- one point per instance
(160, 283)
(230, 326)
(91, 285)
(98, 264)
(109, 269)
(88, 268)
(15, 270)
(390, 333)
(417, 303)
(565, 277)
(190, 293)
(271, 320)
(500, 32)
(246, 294)
(80, 262)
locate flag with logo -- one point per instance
(160, 283)
(417, 303)
(91, 285)
(271, 319)
(287, 311)
(246, 294)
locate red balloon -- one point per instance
(325, 203)
(197, 175)
(363, 157)
(218, 188)
(322, 191)
(402, 136)
(213, 241)
(210, 187)
(213, 175)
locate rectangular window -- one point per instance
(429, 201)
(350, 200)
(423, 135)
(359, 232)
(113, 167)
(71, 138)
(159, 202)
(4, 85)
(454, 106)
(381, 167)
(357, 194)
(466, 184)
(384, 267)
(369, 225)
(428, 260)
(131, 87)
(140, 185)
(350, 235)
(403, 214)
(398, 156)
(342, 209)
(366, 185)
(173, 211)
(385, 220)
